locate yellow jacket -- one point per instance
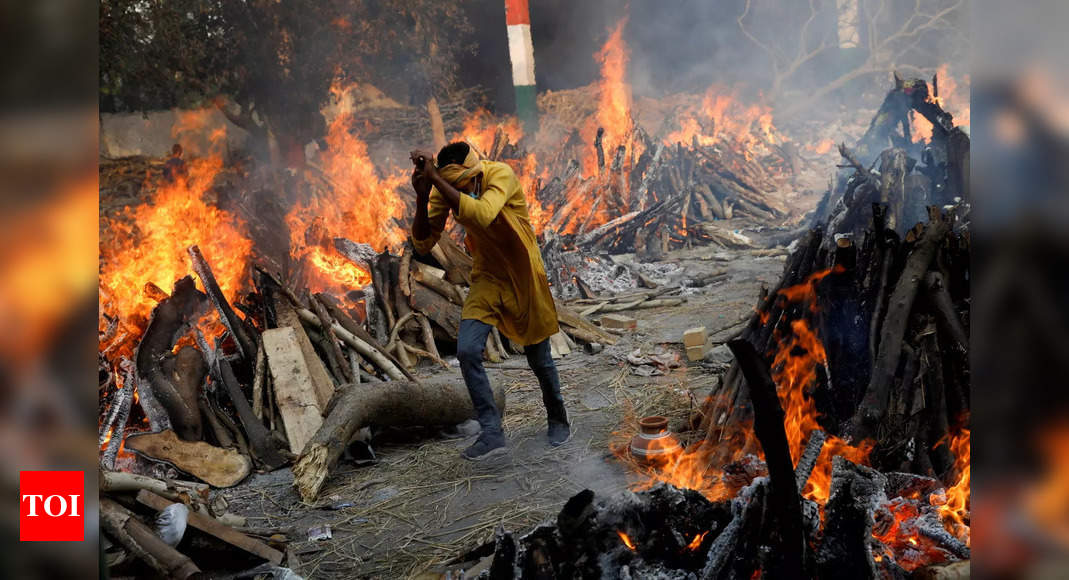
(509, 288)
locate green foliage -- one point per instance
(274, 58)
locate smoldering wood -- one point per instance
(848, 521)
(118, 415)
(809, 457)
(394, 404)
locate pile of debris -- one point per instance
(145, 518)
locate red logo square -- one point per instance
(51, 506)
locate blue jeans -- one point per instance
(471, 340)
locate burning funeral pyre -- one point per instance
(837, 445)
(252, 321)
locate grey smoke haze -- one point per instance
(688, 45)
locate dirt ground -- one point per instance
(421, 505)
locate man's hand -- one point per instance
(424, 162)
(422, 185)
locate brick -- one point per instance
(697, 352)
(695, 337)
(618, 321)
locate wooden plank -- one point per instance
(443, 312)
(322, 384)
(293, 386)
(215, 528)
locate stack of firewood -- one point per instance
(298, 372)
(663, 199)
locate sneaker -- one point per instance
(558, 433)
(485, 447)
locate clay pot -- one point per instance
(654, 443)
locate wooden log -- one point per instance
(335, 357)
(874, 404)
(294, 390)
(443, 312)
(786, 535)
(122, 481)
(358, 338)
(262, 447)
(233, 324)
(114, 427)
(222, 436)
(321, 383)
(169, 400)
(404, 270)
(378, 355)
(442, 287)
(216, 529)
(428, 337)
(124, 527)
(398, 403)
(216, 466)
(587, 331)
(460, 263)
(258, 379)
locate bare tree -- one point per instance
(893, 36)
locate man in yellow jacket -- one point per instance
(509, 288)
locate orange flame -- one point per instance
(149, 243)
(723, 119)
(626, 540)
(480, 128)
(697, 541)
(955, 512)
(359, 205)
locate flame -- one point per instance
(697, 541)
(723, 119)
(614, 100)
(955, 511)
(626, 540)
(359, 205)
(480, 128)
(149, 242)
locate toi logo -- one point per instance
(51, 506)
